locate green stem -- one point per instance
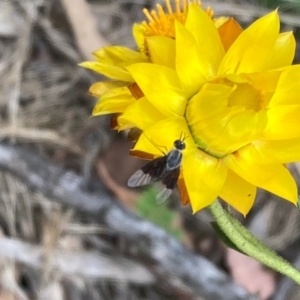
(250, 245)
(248, 235)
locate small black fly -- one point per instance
(165, 169)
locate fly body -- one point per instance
(173, 159)
(165, 169)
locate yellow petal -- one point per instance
(239, 193)
(266, 152)
(210, 128)
(283, 122)
(266, 83)
(114, 101)
(139, 36)
(252, 47)
(283, 52)
(161, 87)
(229, 31)
(192, 69)
(161, 50)
(210, 101)
(110, 71)
(206, 35)
(141, 114)
(204, 176)
(159, 138)
(274, 178)
(117, 55)
(288, 87)
(228, 131)
(240, 130)
(99, 88)
(220, 21)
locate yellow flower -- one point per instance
(239, 107)
(232, 93)
(155, 41)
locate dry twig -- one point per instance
(23, 45)
(86, 34)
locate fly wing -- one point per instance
(151, 172)
(139, 178)
(168, 183)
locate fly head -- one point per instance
(179, 145)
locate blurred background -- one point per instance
(70, 229)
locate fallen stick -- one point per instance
(90, 265)
(189, 274)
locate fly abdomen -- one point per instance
(174, 159)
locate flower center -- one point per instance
(162, 23)
(224, 115)
(247, 96)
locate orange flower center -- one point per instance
(162, 23)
